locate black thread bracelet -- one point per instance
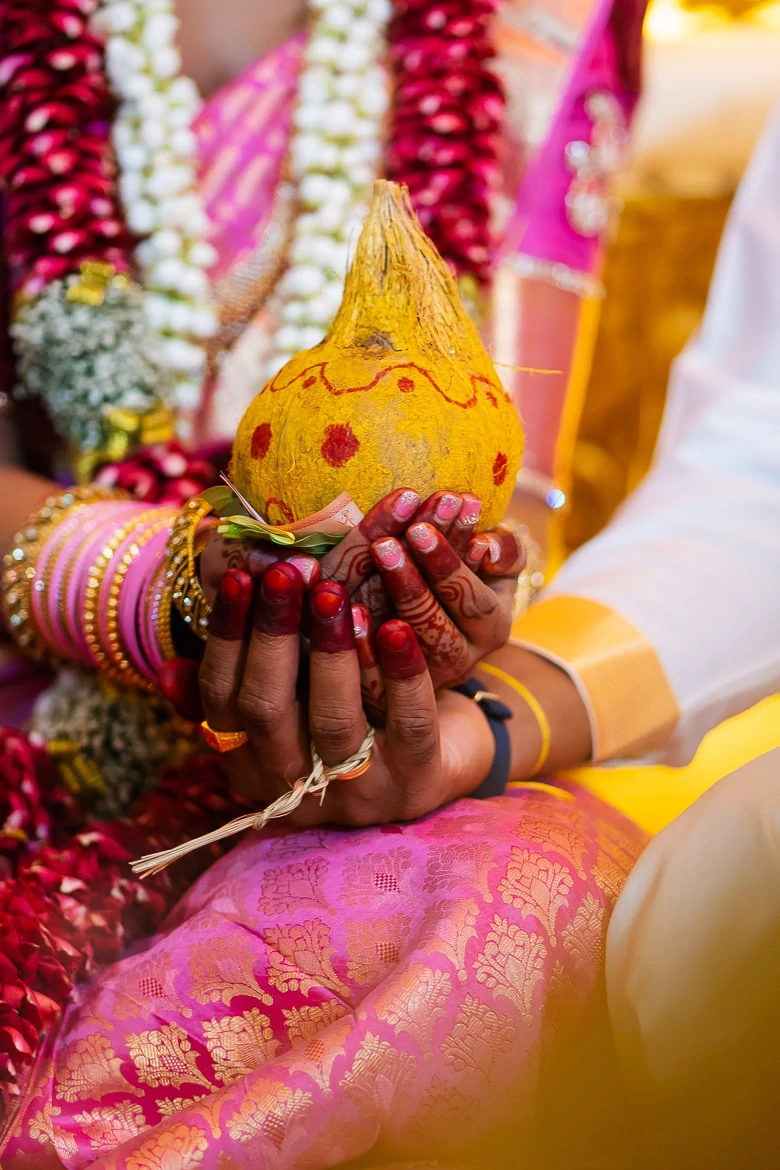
(497, 715)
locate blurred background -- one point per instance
(712, 74)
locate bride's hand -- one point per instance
(418, 561)
(429, 752)
(220, 555)
(424, 563)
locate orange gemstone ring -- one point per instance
(223, 741)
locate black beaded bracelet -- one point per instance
(497, 715)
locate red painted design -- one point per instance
(405, 385)
(339, 445)
(491, 398)
(307, 385)
(275, 386)
(279, 512)
(500, 468)
(261, 440)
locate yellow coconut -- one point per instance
(401, 392)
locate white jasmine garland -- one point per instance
(126, 735)
(156, 152)
(335, 149)
(87, 360)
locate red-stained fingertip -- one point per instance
(399, 651)
(231, 607)
(390, 515)
(279, 601)
(331, 619)
(179, 685)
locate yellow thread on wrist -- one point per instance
(533, 705)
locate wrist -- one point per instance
(562, 709)
(467, 742)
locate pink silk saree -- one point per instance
(406, 991)
(410, 991)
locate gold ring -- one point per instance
(223, 741)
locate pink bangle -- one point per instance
(43, 588)
(134, 589)
(157, 619)
(93, 590)
(99, 530)
(119, 645)
(148, 626)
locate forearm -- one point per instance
(20, 495)
(87, 576)
(564, 710)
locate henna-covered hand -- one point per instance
(221, 555)
(423, 563)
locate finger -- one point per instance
(216, 558)
(372, 595)
(337, 722)
(267, 703)
(179, 685)
(440, 509)
(412, 728)
(261, 556)
(220, 670)
(403, 781)
(473, 605)
(372, 684)
(350, 562)
(445, 648)
(505, 553)
(476, 551)
(462, 529)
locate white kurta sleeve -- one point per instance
(688, 571)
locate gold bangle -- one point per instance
(119, 666)
(187, 594)
(534, 706)
(158, 612)
(99, 652)
(19, 564)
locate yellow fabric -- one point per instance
(654, 795)
(568, 431)
(629, 700)
(536, 708)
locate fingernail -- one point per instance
(448, 507)
(279, 601)
(493, 551)
(331, 626)
(406, 505)
(179, 685)
(231, 607)
(476, 550)
(328, 599)
(389, 553)
(360, 621)
(422, 536)
(400, 655)
(309, 569)
(389, 514)
(470, 512)
(233, 586)
(281, 580)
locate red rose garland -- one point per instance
(69, 908)
(447, 119)
(55, 151)
(165, 474)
